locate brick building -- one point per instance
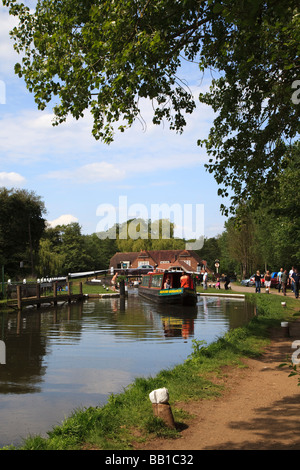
(187, 260)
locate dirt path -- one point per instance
(258, 411)
(242, 289)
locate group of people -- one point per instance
(185, 281)
(284, 279)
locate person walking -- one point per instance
(295, 281)
(257, 280)
(227, 281)
(268, 281)
(291, 278)
(284, 279)
(279, 279)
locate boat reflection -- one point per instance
(177, 321)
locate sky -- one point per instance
(81, 180)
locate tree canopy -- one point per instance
(106, 56)
(21, 227)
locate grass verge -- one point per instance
(127, 418)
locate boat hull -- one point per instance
(180, 296)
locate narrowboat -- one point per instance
(169, 287)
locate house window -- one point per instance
(125, 264)
(143, 263)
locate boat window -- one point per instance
(145, 281)
(176, 280)
(157, 280)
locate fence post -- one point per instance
(38, 294)
(54, 287)
(69, 292)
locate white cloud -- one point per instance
(11, 179)
(72, 141)
(64, 219)
(91, 173)
(69, 151)
(126, 167)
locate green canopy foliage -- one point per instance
(21, 227)
(106, 56)
(269, 236)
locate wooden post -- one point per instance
(161, 407)
(19, 296)
(54, 286)
(285, 329)
(80, 288)
(122, 288)
(69, 291)
(163, 411)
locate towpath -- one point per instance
(259, 410)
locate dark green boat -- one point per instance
(169, 287)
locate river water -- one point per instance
(59, 359)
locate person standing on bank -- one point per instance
(284, 279)
(267, 281)
(227, 282)
(295, 281)
(279, 278)
(257, 280)
(291, 278)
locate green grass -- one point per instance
(91, 288)
(127, 418)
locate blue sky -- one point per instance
(74, 174)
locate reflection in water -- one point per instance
(58, 359)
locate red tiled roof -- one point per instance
(155, 257)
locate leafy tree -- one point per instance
(65, 249)
(21, 228)
(139, 234)
(228, 265)
(278, 221)
(210, 251)
(50, 261)
(73, 249)
(255, 46)
(268, 237)
(106, 56)
(242, 242)
(99, 251)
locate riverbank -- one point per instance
(127, 421)
(258, 409)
